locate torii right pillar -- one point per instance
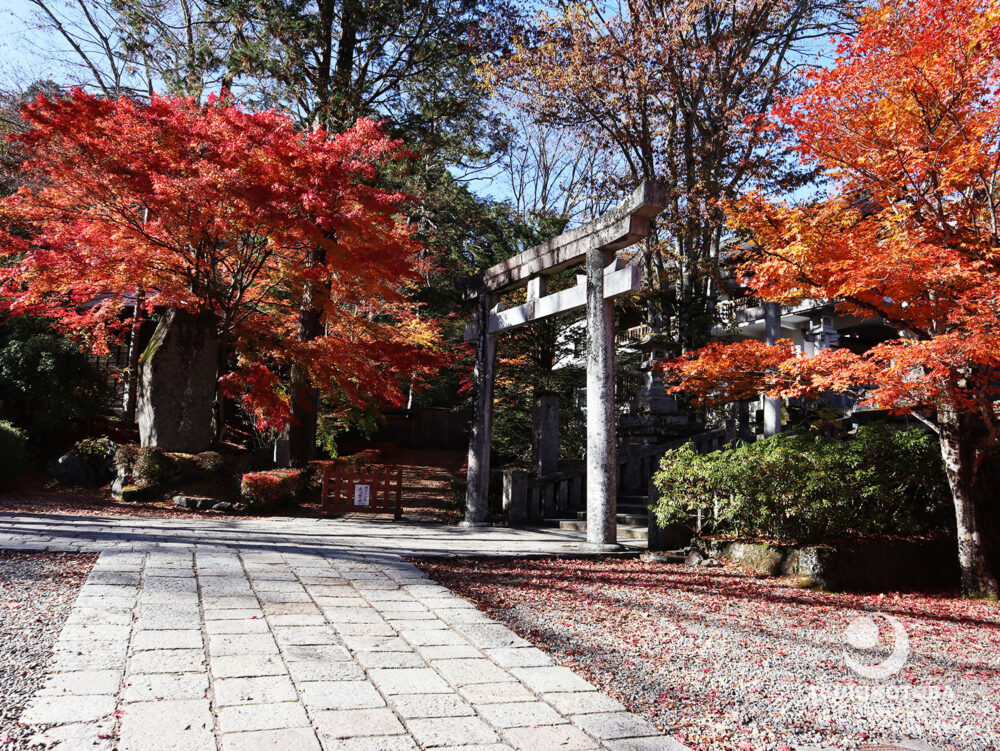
(602, 459)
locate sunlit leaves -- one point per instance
(213, 208)
(907, 122)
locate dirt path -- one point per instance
(427, 493)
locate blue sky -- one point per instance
(19, 63)
(29, 53)
(25, 57)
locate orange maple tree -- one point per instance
(215, 209)
(906, 124)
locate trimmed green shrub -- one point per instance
(209, 461)
(13, 452)
(362, 458)
(125, 458)
(152, 466)
(148, 466)
(95, 450)
(271, 489)
(807, 489)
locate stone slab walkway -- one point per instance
(304, 635)
(369, 536)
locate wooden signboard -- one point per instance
(368, 490)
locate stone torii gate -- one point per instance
(595, 245)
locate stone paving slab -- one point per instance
(300, 634)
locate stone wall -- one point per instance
(868, 566)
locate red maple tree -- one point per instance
(906, 124)
(215, 209)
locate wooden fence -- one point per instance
(367, 490)
(529, 498)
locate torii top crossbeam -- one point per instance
(624, 225)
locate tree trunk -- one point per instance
(221, 414)
(326, 15)
(305, 399)
(302, 430)
(132, 382)
(963, 441)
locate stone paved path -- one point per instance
(300, 635)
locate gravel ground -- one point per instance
(37, 591)
(724, 659)
(40, 495)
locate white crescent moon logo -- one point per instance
(863, 634)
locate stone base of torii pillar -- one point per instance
(595, 245)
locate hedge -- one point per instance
(13, 452)
(271, 488)
(807, 488)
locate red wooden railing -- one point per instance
(368, 490)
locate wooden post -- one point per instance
(545, 435)
(772, 405)
(602, 530)
(325, 492)
(515, 497)
(398, 495)
(483, 375)
(744, 431)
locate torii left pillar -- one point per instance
(483, 376)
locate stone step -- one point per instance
(625, 531)
(667, 556)
(630, 519)
(633, 500)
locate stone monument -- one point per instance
(178, 378)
